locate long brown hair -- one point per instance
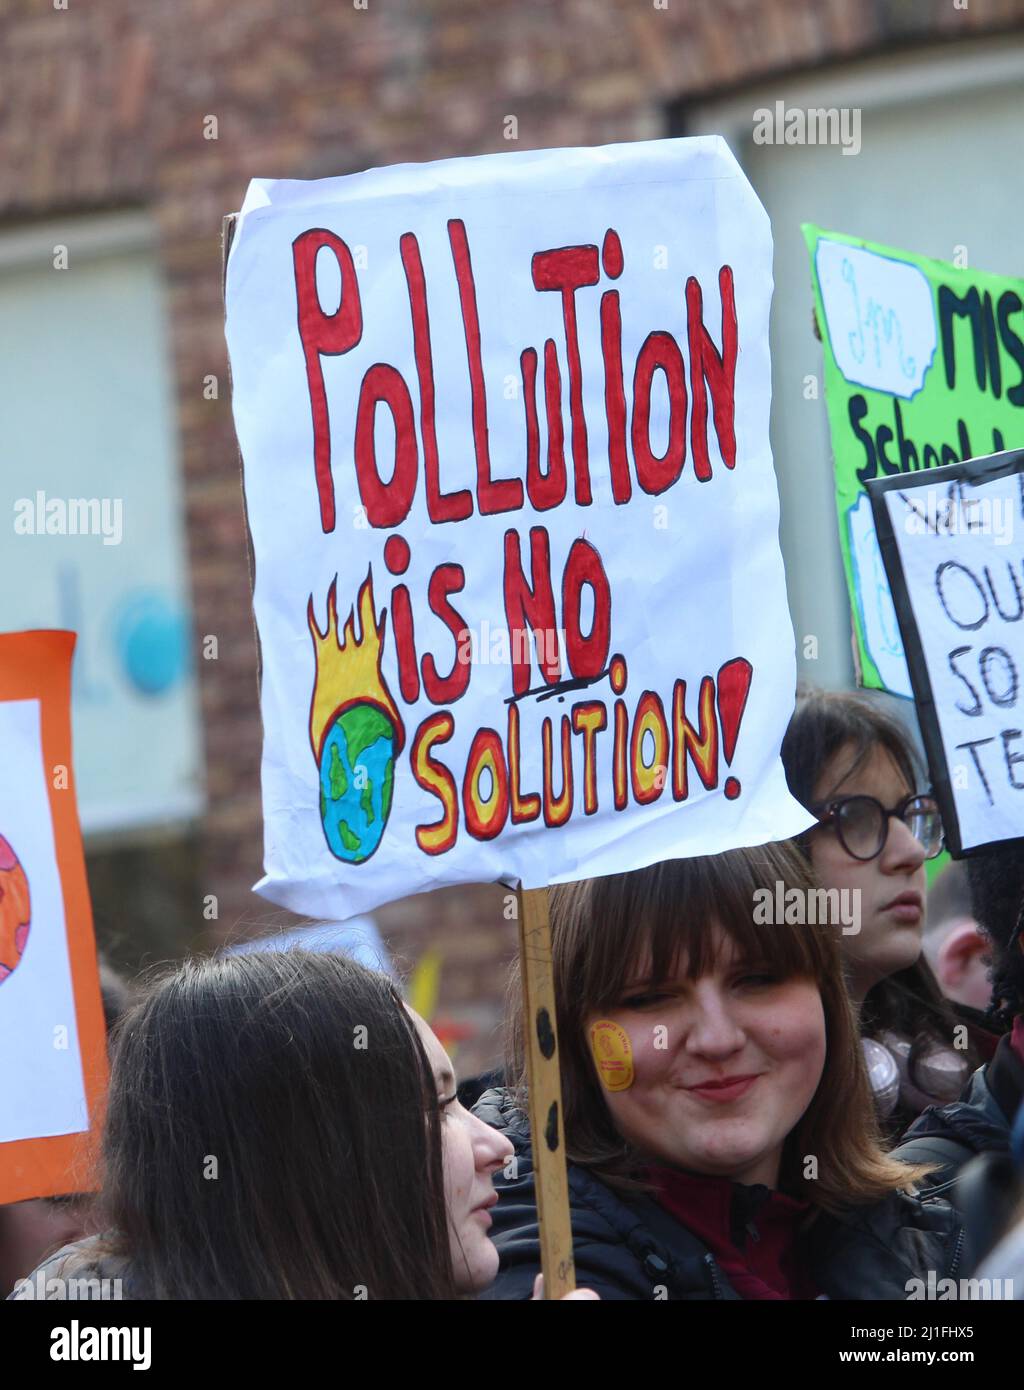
(600, 930)
(273, 1132)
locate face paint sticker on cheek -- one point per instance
(613, 1055)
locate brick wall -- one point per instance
(105, 106)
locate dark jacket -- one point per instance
(947, 1136)
(628, 1247)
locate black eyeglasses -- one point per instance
(862, 823)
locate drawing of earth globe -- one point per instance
(15, 910)
(357, 773)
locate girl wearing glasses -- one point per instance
(853, 767)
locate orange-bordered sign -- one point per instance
(52, 1032)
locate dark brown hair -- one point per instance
(258, 1145)
(603, 928)
(826, 723)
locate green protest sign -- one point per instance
(924, 365)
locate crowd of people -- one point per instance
(801, 1106)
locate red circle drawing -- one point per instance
(15, 910)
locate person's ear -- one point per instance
(964, 944)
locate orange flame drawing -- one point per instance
(347, 668)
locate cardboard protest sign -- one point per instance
(924, 366)
(952, 542)
(52, 1033)
(521, 604)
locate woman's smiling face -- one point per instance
(724, 1066)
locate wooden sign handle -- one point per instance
(551, 1180)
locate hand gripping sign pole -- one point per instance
(550, 1178)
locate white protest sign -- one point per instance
(521, 604)
(953, 543)
(53, 1037)
(44, 1092)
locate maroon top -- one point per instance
(752, 1232)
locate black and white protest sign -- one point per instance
(952, 543)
